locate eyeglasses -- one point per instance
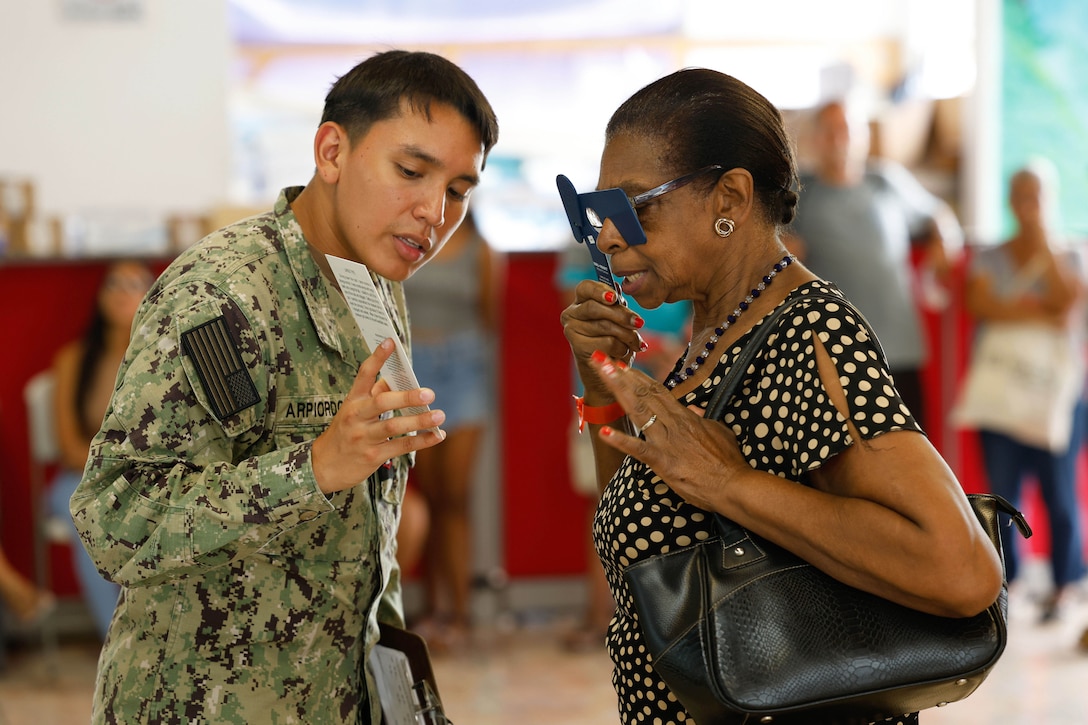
(640, 199)
(592, 208)
(607, 204)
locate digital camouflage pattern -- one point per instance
(249, 596)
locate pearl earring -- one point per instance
(724, 227)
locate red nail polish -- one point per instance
(609, 296)
(643, 346)
(598, 356)
(621, 364)
(639, 322)
(606, 431)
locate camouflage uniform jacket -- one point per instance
(249, 596)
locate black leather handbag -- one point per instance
(743, 631)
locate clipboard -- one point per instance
(401, 664)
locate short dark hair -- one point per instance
(373, 91)
(704, 117)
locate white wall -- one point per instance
(116, 114)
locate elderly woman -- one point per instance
(817, 453)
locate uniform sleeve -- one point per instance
(184, 475)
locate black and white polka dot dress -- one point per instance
(785, 425)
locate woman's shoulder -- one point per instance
(1070, 253)
(818, 292)
(826, 309)
(814, 294)
(990, 252)
(67, 358)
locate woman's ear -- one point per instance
(735, 195)
(331, 144)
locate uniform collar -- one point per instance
(331, 316)
(308, 276)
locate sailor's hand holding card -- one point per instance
(363, 436)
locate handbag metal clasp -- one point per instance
(741, 552)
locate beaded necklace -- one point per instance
(681, 373)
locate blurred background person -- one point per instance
(453, 313)
(415, 521)
(666, 331)
(85, 373)
(25, 601)
(856, 222)
(1035, 277)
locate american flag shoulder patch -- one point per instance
(219, 364)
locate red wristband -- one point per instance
(596, 413)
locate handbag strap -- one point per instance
(986, 506)
(727, 387)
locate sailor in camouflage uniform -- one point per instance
(245, 485)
